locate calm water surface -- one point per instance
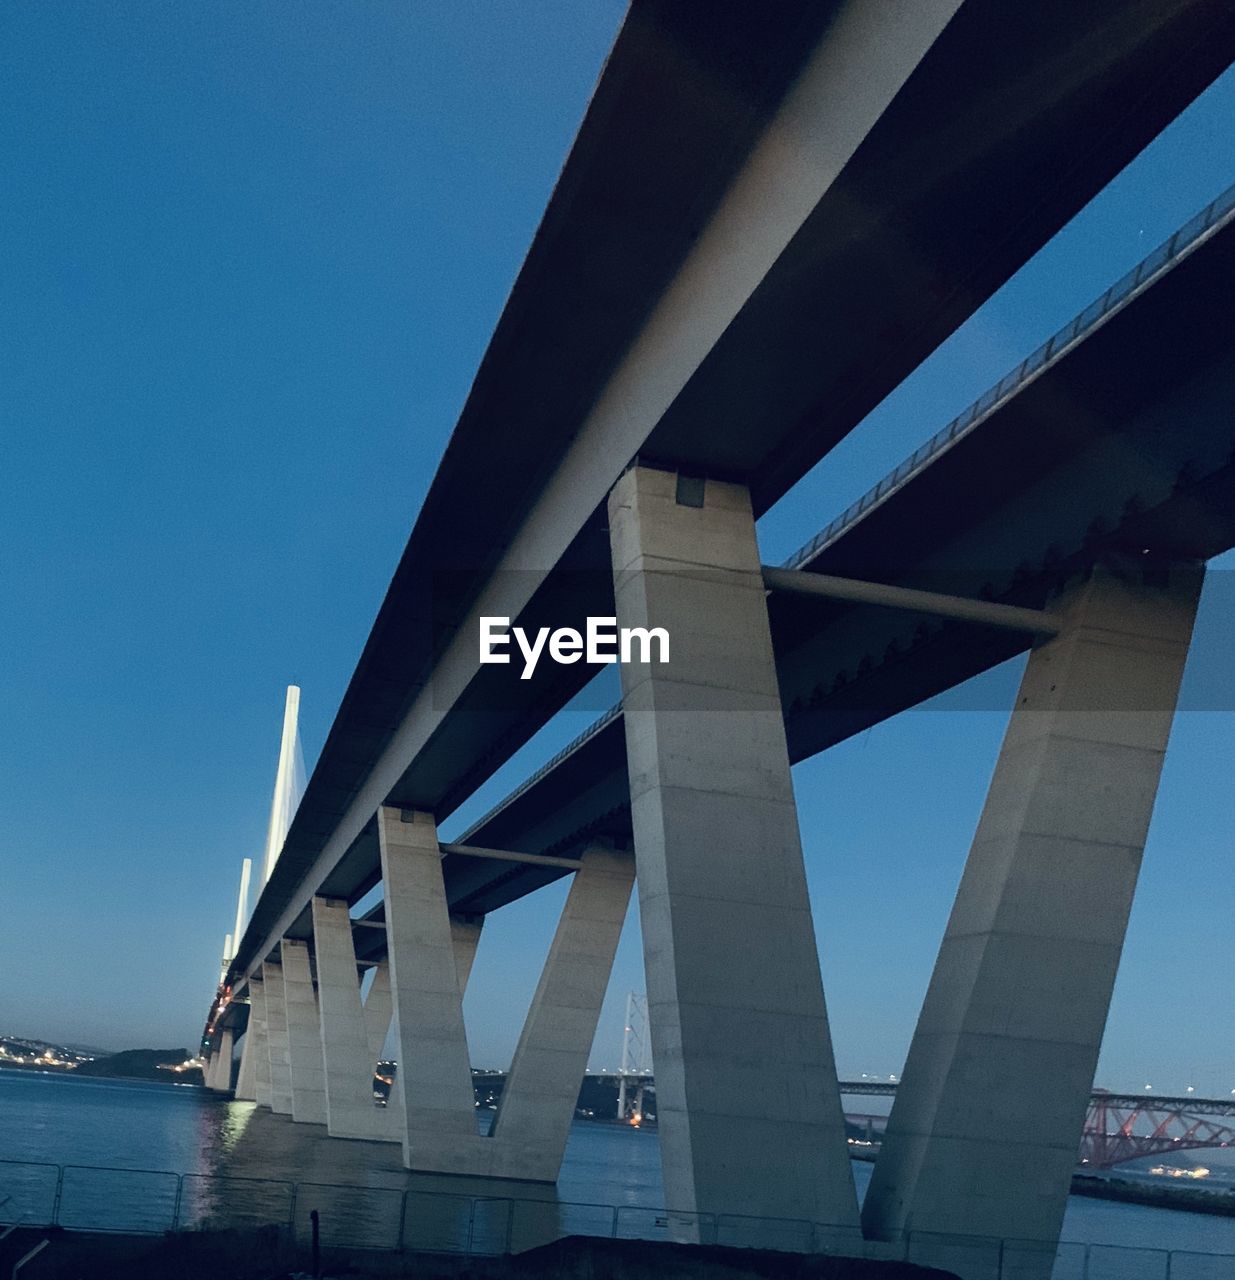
(183, 1129)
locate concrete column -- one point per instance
(258, 1033)
(220, 1078)
(377, 1010)
(276, 1040)
(245, 1084)
(983, 1136)
(464, 939)
(434, 1079)
(347, 1054)
(465, 936)
(542, 1090)
(304, 1037)
(734, 989)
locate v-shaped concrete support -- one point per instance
(434, 1078)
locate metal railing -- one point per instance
(1215, 215)
(152, 1202)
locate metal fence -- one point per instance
(151, 1202)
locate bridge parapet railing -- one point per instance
(1184, 239)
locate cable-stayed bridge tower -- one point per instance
(288, 788)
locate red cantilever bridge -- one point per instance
(1119, 1126)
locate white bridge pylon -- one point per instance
(288, 783)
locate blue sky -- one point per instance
(252, 260)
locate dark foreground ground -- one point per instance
(264, 1255)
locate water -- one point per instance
(168, 1129)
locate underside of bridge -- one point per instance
(769, 218)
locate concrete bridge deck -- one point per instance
(744, 321)
(766, 223)
(1078, 453)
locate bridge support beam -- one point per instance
(244, 1077)
(734, 988)
(430, 958)
(378, 1009)
(304, 1037)
(256, 1051)
(276, 1039)
(542, 1090)
(434, 1080)
(219, 1069)
(348, 1056)
(259, 1035)
(983, 1136)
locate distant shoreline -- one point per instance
(1182, 1199)
(138, 1066)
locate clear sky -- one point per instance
(252, 256)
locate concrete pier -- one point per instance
(348, 1056)
(434, 1080)
(983, 1136)
(219, 1070)
(728, 937)
(276, 1039)
(430, 956)
(259, 1036)
(246, 1087)
(538, 1103)
(378, 1009)
(304, 1037)
(464, 939)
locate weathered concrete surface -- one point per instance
(219, 1074)
(728, 938)
(348, 1059)
(246, 1084)
(538, 1102)
(430, 956)
(258, 1033)
(434, 1079)
(276, 1039)
(304, 1042)
(378, 1009)
(983, 1135)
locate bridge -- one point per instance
(764, 225)
(1119, 1127)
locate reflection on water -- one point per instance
(246, 1166)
